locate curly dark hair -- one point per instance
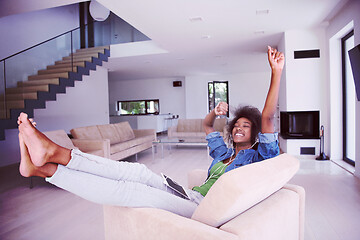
(251, 113)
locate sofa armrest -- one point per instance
(242, 188)
(144, 132)
(152, 223)
(171, 131)
(301, 192)
(196, 177)
(87, 145)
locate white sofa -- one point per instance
(253, 202)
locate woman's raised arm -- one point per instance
(276, 61)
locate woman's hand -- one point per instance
(221, 109)
(276, 59)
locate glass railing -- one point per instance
(16, 69)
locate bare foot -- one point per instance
(28, 169)
(40, 148)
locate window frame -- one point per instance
(227, 94)
(146, 107)
(344, 101)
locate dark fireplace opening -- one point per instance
(299, 125)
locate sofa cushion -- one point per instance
(239, 189)
(124, 130)
(108, 131)
(90, 132)
(189, 125)
(272, 214)
(117, 147)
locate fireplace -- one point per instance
(299, 125)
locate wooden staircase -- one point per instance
(44, 86)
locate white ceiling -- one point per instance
(237, 34)
(230, 35)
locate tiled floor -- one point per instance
(46, 212)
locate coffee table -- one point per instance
(177, 141)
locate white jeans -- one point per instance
(106, 181)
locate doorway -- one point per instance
(349, 100)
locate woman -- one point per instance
(106, 181)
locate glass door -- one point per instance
(349, 100)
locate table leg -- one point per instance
(162, 150)
(152, 151)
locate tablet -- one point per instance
(175, 186)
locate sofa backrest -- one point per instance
(239, 189)
(90, 132)
(125, 131)
(61, 138)
(117, 132)
(109, 131)
(190, 125)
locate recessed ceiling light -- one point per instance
(205, 36)
(196, 19)
(262, 12)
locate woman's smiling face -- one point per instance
(241, 132)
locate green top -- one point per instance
(215, 172)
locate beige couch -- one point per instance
(122, 140)
(253, 202)
(95, 147)
(193, 128)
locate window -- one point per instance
(218, 92)
(138, 107)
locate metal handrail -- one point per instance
(70, 31)
(34, 46)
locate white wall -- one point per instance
(340, 25)
(244, 89)
(171, 99)
(305, 82)
(83, 105)
(21, 31)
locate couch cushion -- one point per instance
(108, 131)
(124, 130)
(241, 188)
(90, 132)
(61, 138)
(129, 144)
(272, 214)
(118, 147)
(189, 125)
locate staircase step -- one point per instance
(21, 96)
(85, 59)
(57, 70)
(93, 49)
(49, 76)
(27, 89)
(78, 54)
(39, 82)
(3, 113)
(66, 65)
(81, 56)
(13, 104)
